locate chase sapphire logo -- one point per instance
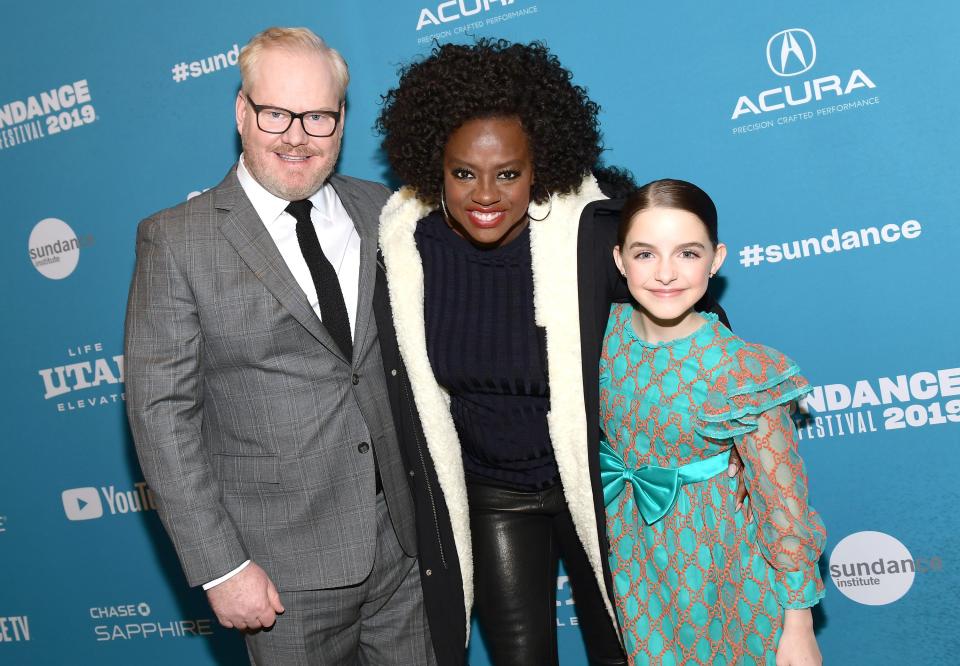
(791, 52)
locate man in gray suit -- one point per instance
(256, 388)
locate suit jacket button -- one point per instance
(429, 572)
(410, 472)
(393, 373)
(363, 447)
(356, 379)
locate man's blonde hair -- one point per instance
(298, 40)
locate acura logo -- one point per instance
(791, 52)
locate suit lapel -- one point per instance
(244, 230)
(365, 222)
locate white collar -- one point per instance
(270, 207)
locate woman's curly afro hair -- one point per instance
(489, 79)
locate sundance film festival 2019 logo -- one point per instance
(903, 402)
(135, 621)
(54, 111)
(466, 17)
(91, 378)
(790, 54)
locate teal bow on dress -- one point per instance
(655, 488)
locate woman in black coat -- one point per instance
(498, 262)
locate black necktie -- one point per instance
(333, 310)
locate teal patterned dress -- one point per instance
(695, 583)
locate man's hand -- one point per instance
(248, 601)
(736, 470)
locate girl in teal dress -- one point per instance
(697, 582)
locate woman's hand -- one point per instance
(735, 469)
(798, 645)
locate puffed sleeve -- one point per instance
(751, 404)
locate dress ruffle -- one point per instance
(796, 589)
(757, 379)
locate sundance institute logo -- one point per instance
(872, 568)
(54, 248)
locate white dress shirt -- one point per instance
(338, 239)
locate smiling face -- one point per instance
(487, 176)
(668, 258)
(292, 165)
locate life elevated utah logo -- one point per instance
(566, 611)
(792, 55)
(90, 378)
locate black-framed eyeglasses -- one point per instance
(274, 120)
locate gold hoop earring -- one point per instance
(443, 205)
(549, 210)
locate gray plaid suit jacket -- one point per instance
(252, 429)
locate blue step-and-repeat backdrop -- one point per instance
(825, 131)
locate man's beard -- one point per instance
(257, 165)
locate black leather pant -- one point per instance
(518, 538)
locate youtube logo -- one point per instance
(89, 502)
(82, 503)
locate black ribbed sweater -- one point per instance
(486, 350)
